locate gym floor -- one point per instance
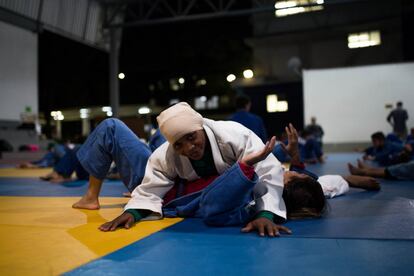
(363, 233)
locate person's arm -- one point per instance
(264, 224)
(292, 148)
(389, 118)
(126, 219)
(147, 197)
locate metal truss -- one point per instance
(151, 12)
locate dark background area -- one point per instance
(74, 75)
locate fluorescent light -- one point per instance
(144, 110)
(106, 108)
(284, 8)
(273, 105)
(231, 78)
(248, 73)
(57, 115)
(271, 102)
(84, 113)
(285, 4)
(282, 106)
(364, 39)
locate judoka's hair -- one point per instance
(379, 135)
(304, 199)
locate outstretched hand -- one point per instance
(254, 157)
(126, 220)
(292, 148)
(265, 227)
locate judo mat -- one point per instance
(364, 233)
(16, 172)
(45, 236)
(182, 250)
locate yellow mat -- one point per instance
(45, 236)
(15, 172)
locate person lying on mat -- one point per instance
(304, 192)
(54, 153)
(65, 167)
(404, 171)
(227, 176)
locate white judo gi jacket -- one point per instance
(230, 142)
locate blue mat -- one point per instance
(190, 248)
(363, 219)
(335, 164)
(36, 187)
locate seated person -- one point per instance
(309, 149)
(410, 137)
(393, 138)
(229, 175)
(54, 153)
(382, 151)
(64, 168)
(403, 171)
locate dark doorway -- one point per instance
(276, 121)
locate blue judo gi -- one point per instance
(309, 150)
(111, 141)
(52, 157)
(156, 140)
(226, 201)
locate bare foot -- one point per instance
(49, 176)
(59, 179)
(27, 165)
(363, 182)
(361, 164)
(354, 170)
(87, 203)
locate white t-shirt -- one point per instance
(333, 185)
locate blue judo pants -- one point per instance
(222, 203)
(69, 163)
(111, 141)
(52, 157)
(404, 171)
(311, 149)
